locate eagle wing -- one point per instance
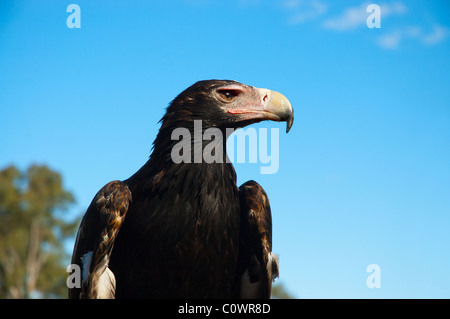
(259, 266)
(95, 241)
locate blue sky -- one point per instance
(364, 174)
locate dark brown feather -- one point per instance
(97, 233)
(259, 264)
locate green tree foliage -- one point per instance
(32, 232)
(279, 292)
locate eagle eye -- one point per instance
(228, 95)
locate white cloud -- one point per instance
(438, 34)
(355, 17)
(304, 10)
(197, 2)
(249, 2)
(393, 8)
(392, 40)
(350, 19)
(291, 4)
